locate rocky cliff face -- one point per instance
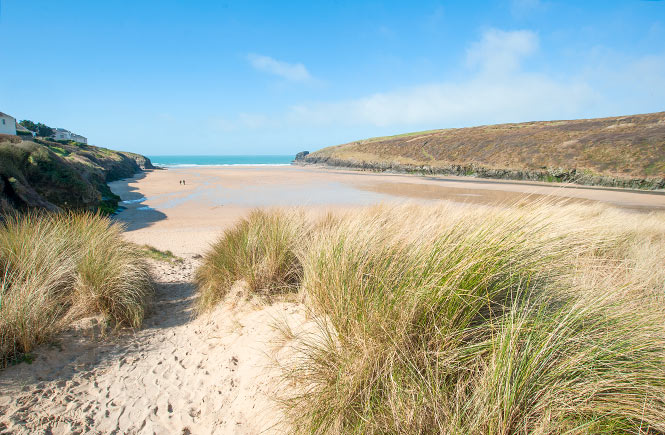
(548, 175)
(42, 174)
(300, 157)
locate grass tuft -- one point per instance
(55, 268)
(259, 250)
(156, 254)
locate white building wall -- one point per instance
(62, 134)
(7, 125)
(79, 138)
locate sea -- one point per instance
(252, 160)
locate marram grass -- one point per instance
(260, 250)
(55, 268)
(544, 318)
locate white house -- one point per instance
(7, 124)
(62, 134)
(79, 138)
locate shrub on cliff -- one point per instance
(63, 175)
(55, 268)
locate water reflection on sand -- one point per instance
(188, 217)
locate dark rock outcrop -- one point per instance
(548, 174)
(141, 161)
(300, 157)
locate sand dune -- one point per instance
(216, 373)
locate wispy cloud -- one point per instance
(496, 88)
(476, 101)
(290, 71)
(499, 51)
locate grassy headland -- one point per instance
(626, 151)
(44, 174)
(58, 267)
(540, 318)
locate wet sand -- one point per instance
(186, 218)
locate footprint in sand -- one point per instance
(126, 386)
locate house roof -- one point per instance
(9, 116)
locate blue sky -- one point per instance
(250, 77)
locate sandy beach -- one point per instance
(216, 373)
(186, 218)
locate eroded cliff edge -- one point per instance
(43, 174)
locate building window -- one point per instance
(3, 122)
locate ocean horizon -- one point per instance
(170, 161)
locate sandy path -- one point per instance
(176, 375)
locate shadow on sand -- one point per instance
(84, 349)
(132, 213)
(173, 305)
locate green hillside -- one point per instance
(626, 151)
(40, 173)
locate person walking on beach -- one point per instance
(180, 181)
(183, 182)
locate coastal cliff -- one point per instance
(43, 174)
(627, 152)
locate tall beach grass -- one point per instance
(259, 250)
(542, 318)
(55, 268)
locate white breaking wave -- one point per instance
(133, 201)
(190, 165)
